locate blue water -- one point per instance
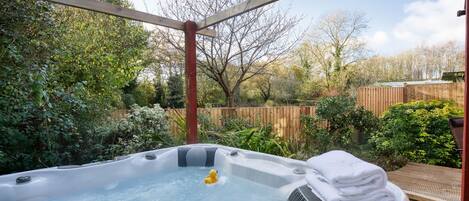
(183, 184)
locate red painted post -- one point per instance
(465, 158)
(190, 29)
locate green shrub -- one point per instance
(316, 138)
(142, 130)
(338, 124)
(144, 93)
(236, 132)
(205, 127)
(128, 100)
(57, 84)
(260, 139)
(337, 120)
(335, 109)
(235, 124)
(39, 123)
(364, 122)
(420, 132)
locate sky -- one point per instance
(394, 25)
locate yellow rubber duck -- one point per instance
(212, 177)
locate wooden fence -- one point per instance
(285, 120)
(378, 99)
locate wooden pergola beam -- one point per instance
(232, 12)
(108, 8)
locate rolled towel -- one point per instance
(326, 192)
(350, 175)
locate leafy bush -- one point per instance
(142, 130)
(57, 84)
(128, 100)
(235, 124)
(364, 123)
(316, 138)
(420, 132)
(338, 124)
(39, 124)
(204, 128)
(336, 111)
(337, 120)
(104, 52)
(144, 93)
(260, 139)
(235, 132)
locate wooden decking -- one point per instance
(427, 182)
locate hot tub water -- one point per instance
(181, 184)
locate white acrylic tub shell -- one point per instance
(274, 171)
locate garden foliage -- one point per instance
(145, 128)
(237, 132)
(37, 123)
(61, 72)
(337, 121)
(420, 132)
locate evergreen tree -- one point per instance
(175, 92)
(160, 94)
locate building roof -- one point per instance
(401, 84)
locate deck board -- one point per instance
(428, 182)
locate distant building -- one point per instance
(447, 77)
(401, 84)
(453, 76)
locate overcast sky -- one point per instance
(395, 25)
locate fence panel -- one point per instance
(378, 99)
(452, 91)
(285, 120)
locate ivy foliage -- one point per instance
(420, 132)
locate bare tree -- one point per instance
(264, 84)
(423, 62)
(167, 61)
(245, 45)
(335, 42)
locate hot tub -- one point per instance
(171, 174)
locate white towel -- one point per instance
(348, 174)
(326, 192)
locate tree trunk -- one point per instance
(232, 96)
(230, 99)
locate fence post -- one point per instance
(404, 93)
